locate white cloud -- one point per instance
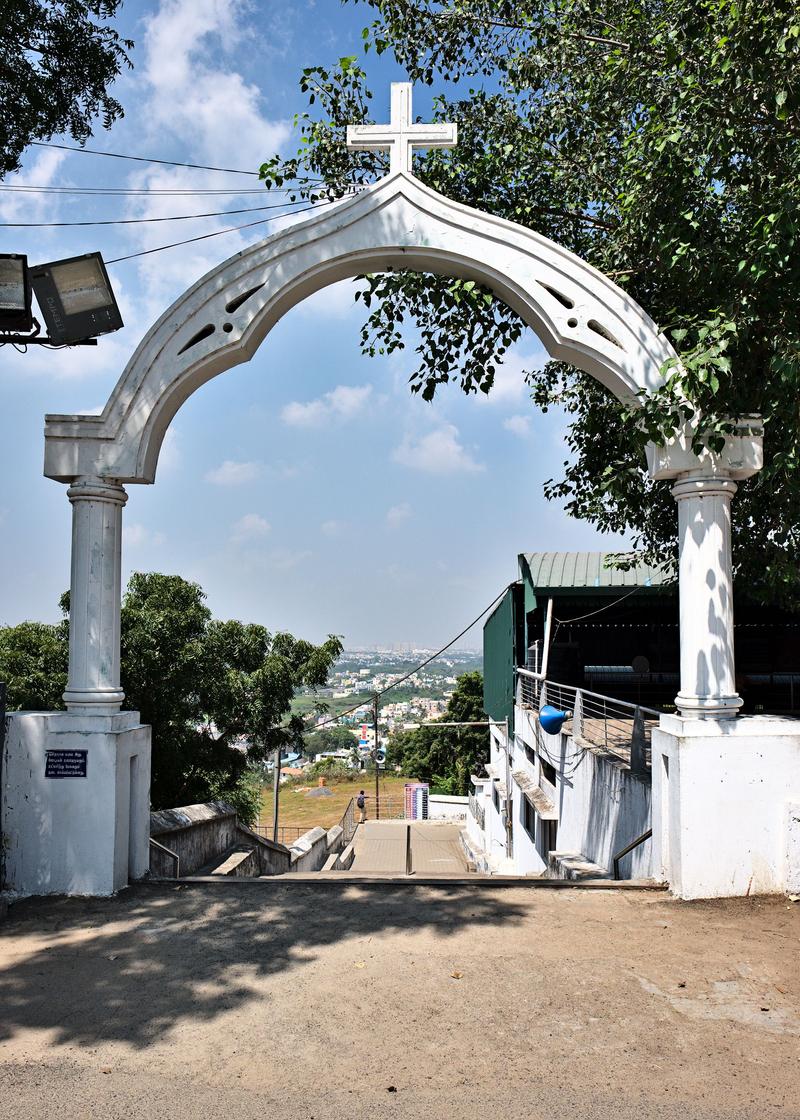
(332, 528)
(342, 403)
(438, 452)
(396, 515)
(231, 473)
(211, 107)
(284, 559)
(519, 425)
(250, 527)
(136, 535)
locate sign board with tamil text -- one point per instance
(65, 764)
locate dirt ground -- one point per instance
(256, 999)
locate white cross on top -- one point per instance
(401, 136)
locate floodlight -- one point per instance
(75, 298)
(15, 293)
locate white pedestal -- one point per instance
(726, 805)
(75, 835)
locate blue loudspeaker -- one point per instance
(552, 719)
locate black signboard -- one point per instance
(65, 764)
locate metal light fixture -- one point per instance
(75, 298)
(15, 293)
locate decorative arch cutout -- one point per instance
(580, 316)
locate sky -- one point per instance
(308, 489)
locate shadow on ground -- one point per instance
(130, 968)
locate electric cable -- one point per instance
(439, 652)
(591, 614)
(140, 159)
(205, 236)
(26, 188)
(138, 221)
(427, 661)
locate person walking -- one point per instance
(361, 802)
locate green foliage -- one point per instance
(334, 769)
(57, 61)
(335, 738)
(661, 143)
(201, 684)
(446, 756)
(33, 664)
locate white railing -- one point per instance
(602, 721)
(476, 810)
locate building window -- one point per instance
(496, 798)
(529, 819)
(548, 771)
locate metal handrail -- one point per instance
(169, 852)
(586, 692)
(629, 848)
(603, 721)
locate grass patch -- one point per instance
(296, 809)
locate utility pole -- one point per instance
(377, 764)
(276, 786)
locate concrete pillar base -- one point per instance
(726, 805)
(65, 833)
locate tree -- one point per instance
(57, 61)
(660, 142)
(334, 738)
(207, 688)
(33, 663)
(446, 756)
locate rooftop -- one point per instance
(549, 570)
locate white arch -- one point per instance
(578, 313)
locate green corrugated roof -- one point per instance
(550, 570)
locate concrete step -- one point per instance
(479, 881)
(575, 867)
(238, 862)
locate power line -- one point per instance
(205, 236)
(427, 661)
(439, 652)
(591, 614)
(138, 221)
(141, 159)
(25, 188)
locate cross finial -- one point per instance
(400, 137)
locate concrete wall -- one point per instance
(312, 850)
(445, 808)
(727, 805)
(601, 804)
(75, 835)
(199, 834)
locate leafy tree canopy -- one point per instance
(661, 143)
(334, 738)
(201, 684)
(57, 61)
(446, 756)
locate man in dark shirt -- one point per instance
(361, 802)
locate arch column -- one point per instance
(705, 584)
(704, 484)
(93, 683)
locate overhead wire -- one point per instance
(29, 188)
(139, 221)
(139, 159)
(214, 233)
(400, 680)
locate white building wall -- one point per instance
(602, 805)
(76, 835)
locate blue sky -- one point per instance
(308, 490)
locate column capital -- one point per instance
(741, 455)
(703, 486)
(90, 488)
